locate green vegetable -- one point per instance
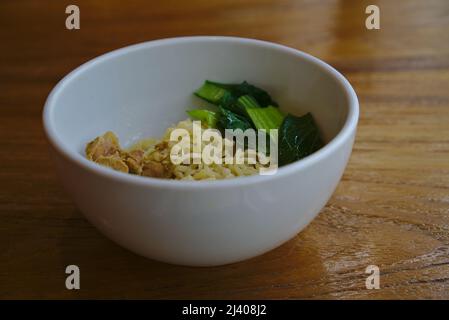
(262, 97)
(226, 86)
(230, 102)
(231, 120)
(244, 106)
(247, 102)
(266, 118)
(210, 92)
(209, 117)
(214, 92)
(298, 138)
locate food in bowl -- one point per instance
(239, 108)
(189, 222)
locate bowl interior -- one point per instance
(139, 91)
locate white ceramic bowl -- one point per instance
(139, 91)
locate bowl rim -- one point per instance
(336, 142)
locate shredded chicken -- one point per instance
(154, 169)
(106, 150)
(105, 145)
(114, 162)
(134, 160)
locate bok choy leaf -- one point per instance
(205, 116)
(266, 118)
(298, 138)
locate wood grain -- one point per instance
(391, 208)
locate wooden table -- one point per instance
(391, 208)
